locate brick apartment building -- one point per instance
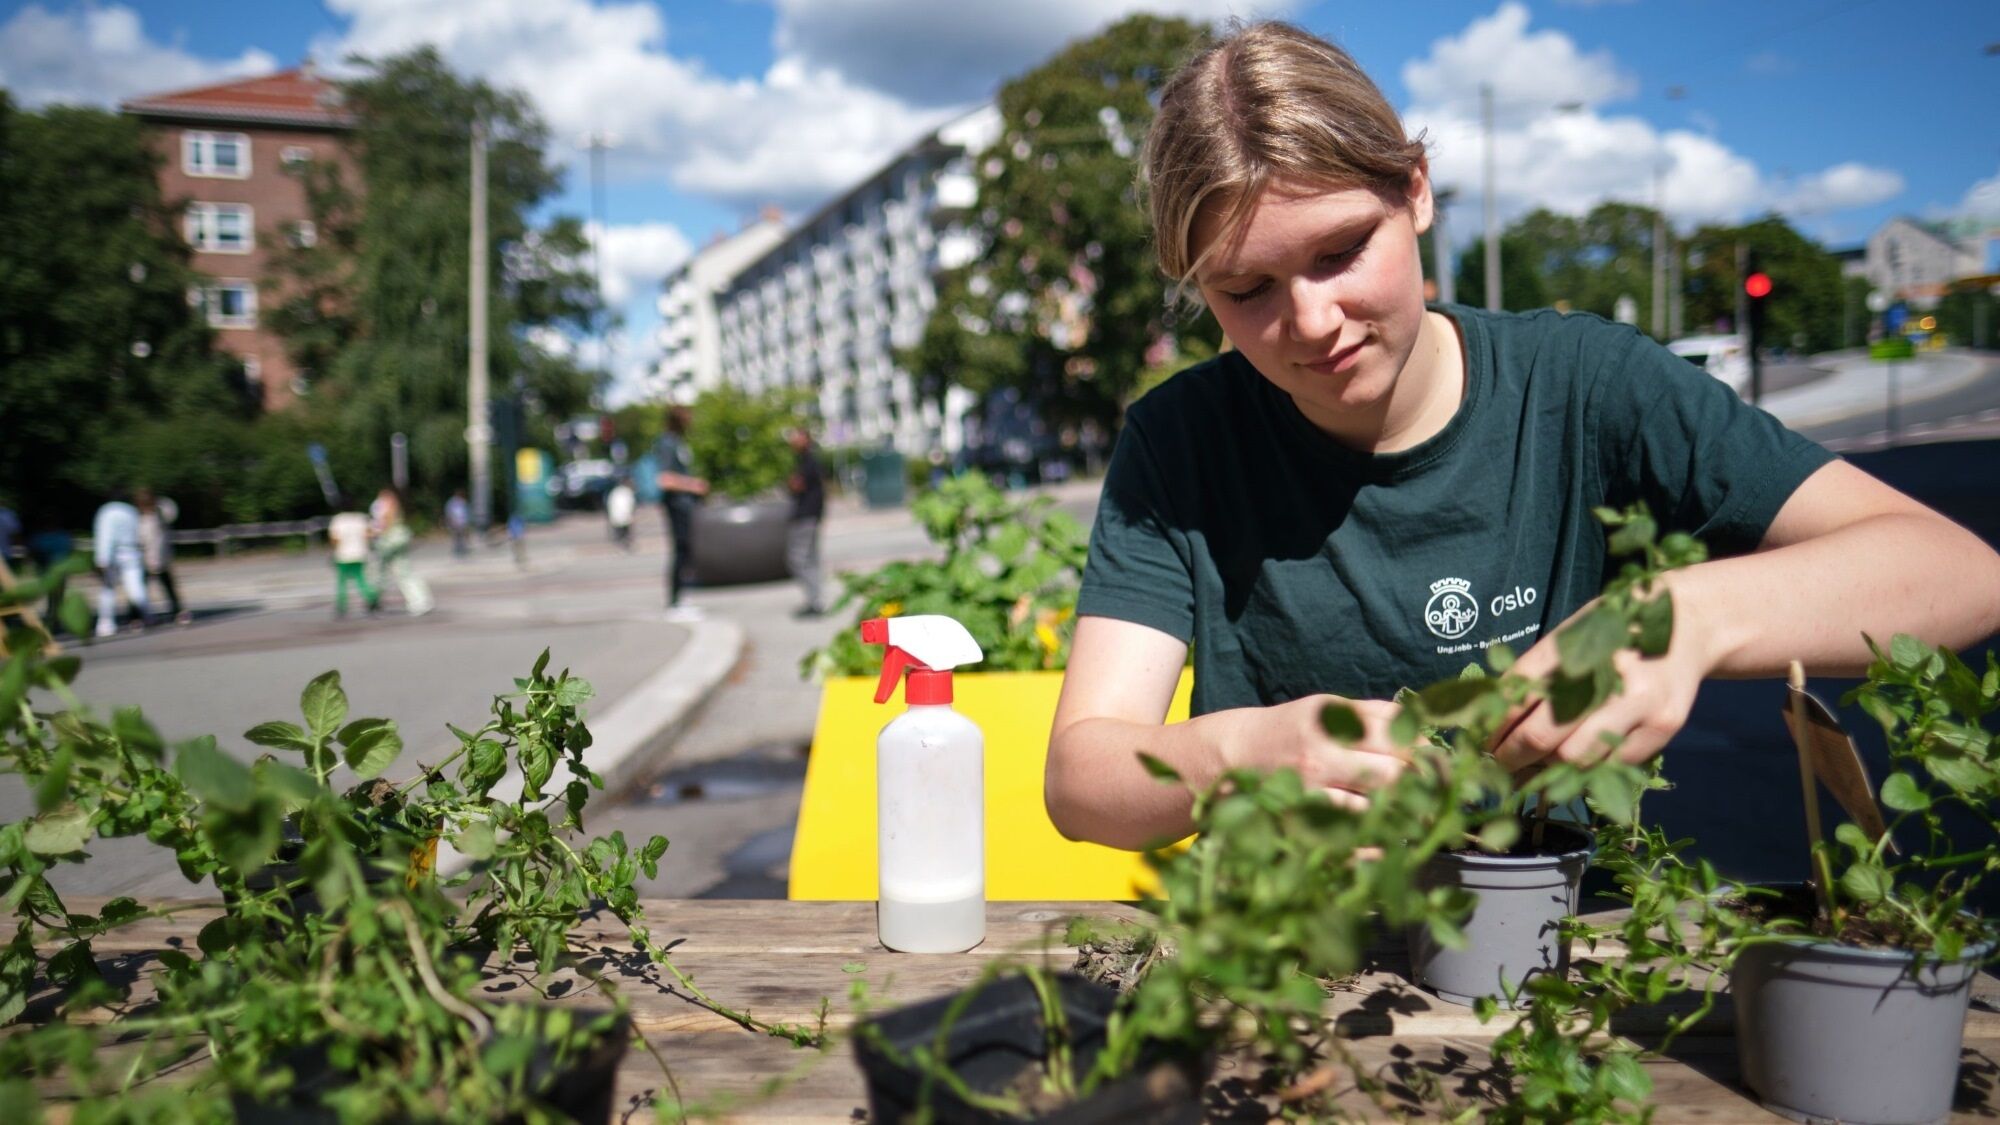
(227, 155)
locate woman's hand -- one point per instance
(1648, 711)
(1289, 735)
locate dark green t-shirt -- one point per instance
(1296, 565)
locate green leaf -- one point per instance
(1614, 793)
(58, 832)
(649, 856)
(1635, 536)
(1902, 793)
(1454, 702)
(19, 1102)
(485, 763)
(1158, 768)
(1499, 835)
(214, 776)
(53, 787)
(369, 753)
(1865, 883)
(75, 614)
(476, 842)
(1851, 835)
(1908, 653)
(854, 967)
(1591, 640)
(324, 704)
(538, 762)
(1656, 625)
(279, 736)
(541, 665)
(1341, 723)
(574, 693)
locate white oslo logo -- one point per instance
(1452, 610)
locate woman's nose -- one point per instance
(1316, 312)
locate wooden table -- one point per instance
(778, 960)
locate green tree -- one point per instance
(378, 311)
(1804, 310)
(97, 337)
(1520, 275)
(1065, 300)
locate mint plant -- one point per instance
(1009, 573)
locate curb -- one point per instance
(627, 737)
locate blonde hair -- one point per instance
(1267, 102)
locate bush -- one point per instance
(737, 439)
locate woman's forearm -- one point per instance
(1097, 789)
(1812, 601)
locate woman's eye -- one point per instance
(1248, 294)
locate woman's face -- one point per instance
(1322, 291)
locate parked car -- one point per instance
(1721, 356)
(582, 484)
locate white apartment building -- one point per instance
(1916, 261)
(828, 306)
(690, 335)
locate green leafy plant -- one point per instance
(1277, 898)
(1009, 573)
(339, 957)
(737, 439)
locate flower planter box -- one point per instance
(1832, 1032)
(833, 853)
(736, 543)
(1514, 931)
(995, 1043)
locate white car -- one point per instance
(1721, 356)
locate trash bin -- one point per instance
(883, 482)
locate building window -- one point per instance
(302, 234)
(220, 228)
(295, 154)
(229, 303)
(224, 155)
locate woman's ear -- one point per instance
(1423, 207)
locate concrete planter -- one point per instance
(1514, 931)
(743, 542)
(833, 853)
(1829, 1032)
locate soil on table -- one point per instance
(1558, 839)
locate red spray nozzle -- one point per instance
(875, 631)
(928, 646)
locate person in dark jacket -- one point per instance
(808, 489)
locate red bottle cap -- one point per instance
(924, 687)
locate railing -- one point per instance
(225, 538)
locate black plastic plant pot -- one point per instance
(998, 1042)
(1515, 929)
(582, 1089)
(284, 870)
(1831, 1032)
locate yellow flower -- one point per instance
(891, 609)
(1047, 636)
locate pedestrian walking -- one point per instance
(517, 539)
(458, 521)
(619, 506)
(348, 534)
(680, 493)
(393, 541)
(114, 536)
(156, 547)
(808, 488)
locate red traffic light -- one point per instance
(1757, 285)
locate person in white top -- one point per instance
(619, 506)
(156, 546)
(114, 536)
(348, 534)
(393, 539)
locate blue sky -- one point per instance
(1839, 113)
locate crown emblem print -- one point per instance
(1452, 611)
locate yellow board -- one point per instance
(833, 855)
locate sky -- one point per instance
(1839, 114)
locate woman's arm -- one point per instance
(1846, 555)
(1115, 695)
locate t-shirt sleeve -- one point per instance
(1137, 569)
(1703, 460)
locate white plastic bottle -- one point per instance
(930, 793)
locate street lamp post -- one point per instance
(479, 428)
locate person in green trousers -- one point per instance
(348, 533)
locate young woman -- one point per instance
(1368, 492)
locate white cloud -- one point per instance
(1982, 201)
(637, 257)
(1569, 160)
(796, 135)
(1840, 187)
(1770, 64)
(1528, 71)
(932, 53)
(100, 55)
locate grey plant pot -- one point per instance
(1514, 932)
(1831, 1032)
(741, 542)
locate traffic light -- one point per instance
(1757, 291)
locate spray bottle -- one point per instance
(930, 798)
